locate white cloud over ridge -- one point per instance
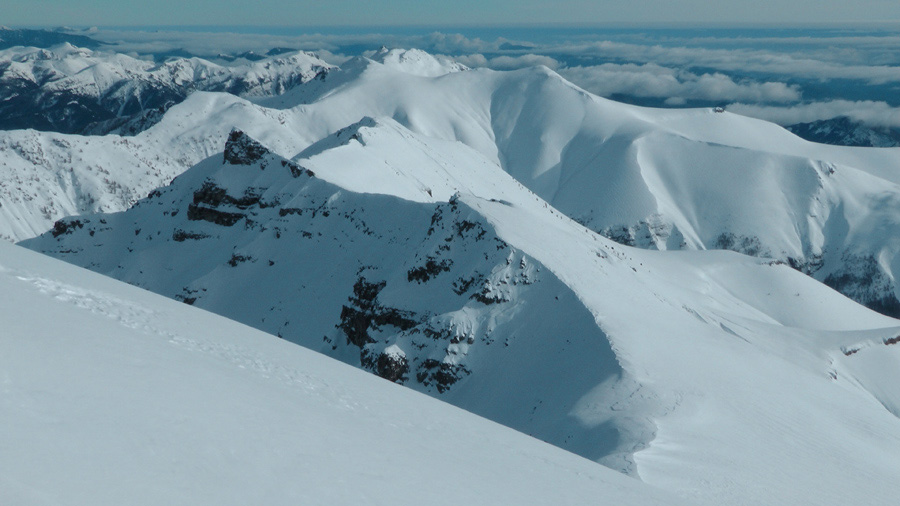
(871, 113)
(794, 65)
(652, 80)
(759, 75)
(508, 62)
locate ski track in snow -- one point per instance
(134, 316)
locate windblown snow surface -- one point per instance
(722, 378)
(113, 395)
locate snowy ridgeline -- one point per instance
(112, 395)
(69, 89)
(716, 376)
(651, 178)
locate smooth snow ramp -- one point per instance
(113, 395)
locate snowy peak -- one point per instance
(417, 62)
(380, 155)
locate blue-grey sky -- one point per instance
(439, 12)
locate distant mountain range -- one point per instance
(843, 131)
(11, 37)
(68, 89)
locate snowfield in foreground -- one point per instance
(113, 395)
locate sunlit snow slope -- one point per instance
(717, 376)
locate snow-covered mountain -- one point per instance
(653, 178)
(719, 377)
(113, 395)
(843, 131)
(69, 89)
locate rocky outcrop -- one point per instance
(241, 149)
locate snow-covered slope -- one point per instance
(112, 395)
(717, 376)
(661, 179)
(46, 176)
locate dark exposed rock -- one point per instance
(392, 367)
(742, 244)
(808, 266)
(237, 259)
(461, 286)
(442, 374)
(364, 313)
(213, 195)
(464, 226)
(488, 296)
(861, 279)
(240, 149)
(197, 213)
(66, 226)
(355, 324)
(621, 234)
(356, 319)
(297, 170)
(180, 235)
(431, 269)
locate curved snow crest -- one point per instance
(417, 62)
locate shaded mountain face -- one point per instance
(422, 261)
(843, 131)
(420, 292)
(70, 89)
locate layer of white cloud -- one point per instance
(871, 113)
(508, 62)
(742, 61)
(677, 86)
(647, 65)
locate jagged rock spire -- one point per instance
(241, 149)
